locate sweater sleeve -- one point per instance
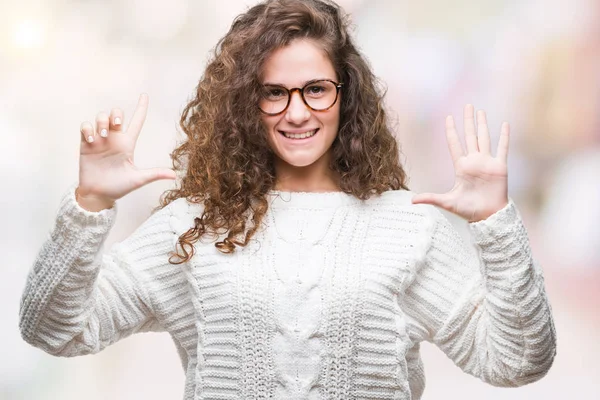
(77, 300)
(489, 313)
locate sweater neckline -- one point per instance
(310, 200)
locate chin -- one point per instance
(300, 162)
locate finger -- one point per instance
(102, 124)
(439, 200)
(154, 174)
(470, 132)
(87, 132)
(116, 119)
(456, 150)
(483, 133)
(139, 116)
(502, 153)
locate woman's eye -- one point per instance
(274, 93)
(315, 89)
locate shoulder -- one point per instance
(180, 214)
(394, 213)
(405, 230)
(394, 197)
(399, 202)
(164, 225)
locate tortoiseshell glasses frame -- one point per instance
(269, 89)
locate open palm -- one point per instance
(106, 168)
(480, 186)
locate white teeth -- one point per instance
(299, 135)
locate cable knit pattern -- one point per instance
(330, 299)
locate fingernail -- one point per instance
(117, 121)
(90, 139)
(103, 133)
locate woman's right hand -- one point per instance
(106, 168)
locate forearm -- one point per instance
(519, 330)
(72, 302)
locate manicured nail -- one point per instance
(90, 139)
(117, 121)
(103, 133)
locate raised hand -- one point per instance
(106, 168)
(480, 186)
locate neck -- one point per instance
(316, 177)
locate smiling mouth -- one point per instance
(299, 136)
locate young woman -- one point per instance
(292, 261)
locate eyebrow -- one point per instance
(303, 84)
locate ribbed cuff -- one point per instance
(502, 243)
(70, 205)
(497, 223)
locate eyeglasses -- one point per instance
(318, 95)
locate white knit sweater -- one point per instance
(330, 300)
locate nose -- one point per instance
(297, 111)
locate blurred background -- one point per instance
(533, 63)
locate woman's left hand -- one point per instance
(480, 187)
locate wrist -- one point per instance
(93, 203)
(488, 213)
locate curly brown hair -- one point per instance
(227, 162)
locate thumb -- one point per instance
(154, 174)
(434, 199)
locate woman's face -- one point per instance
(292, 67)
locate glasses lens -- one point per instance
(273, 100)
(320, 95)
